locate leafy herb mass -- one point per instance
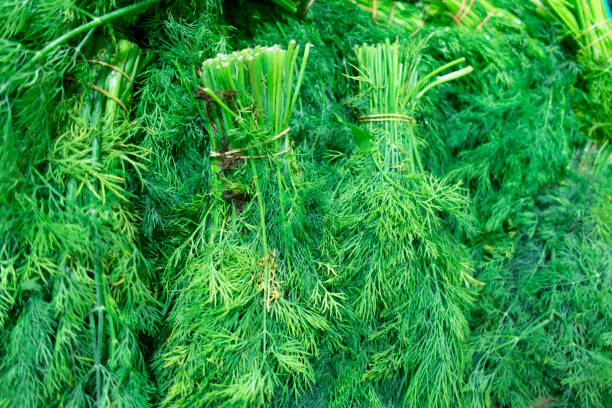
(295, 203)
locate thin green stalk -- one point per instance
(87, 27)
(220, 103)
(281, 191)
(215, 182)
(113, 83)
(288, 5)
(299, 81)
(445, 78)
(99, 345)
(435, 72)
(97, 21)
(97, 267)
(523, 335)
(262, 218)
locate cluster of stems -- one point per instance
(587, 22)
(388, 78)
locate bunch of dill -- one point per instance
(322, 266)
(74, 283)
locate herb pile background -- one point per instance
(132, 264)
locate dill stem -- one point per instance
(215, 182)
(97, 266)
(287, 5)
(281, 197)
(113, 83)
(100, 325)
(523, 335)
(262, 217)
(97, 21)
(298, 84)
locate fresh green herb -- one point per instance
(78, 296)
(243, 291)
(407, 279)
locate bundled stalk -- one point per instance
(391, 236)
(473, 14)
(586, 22)
(242, 326)
(589, 28)
(389, 12)
(75, 284)
(40, 43)
(290, 6)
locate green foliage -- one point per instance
(327, 266)
(510, 135)
(509, 128)
(74, 282)
(552, 339)
(178, 172)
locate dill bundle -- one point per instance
(74, 283)
(391, 236)
(245, 320)
(587, 24)
(40, 43)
